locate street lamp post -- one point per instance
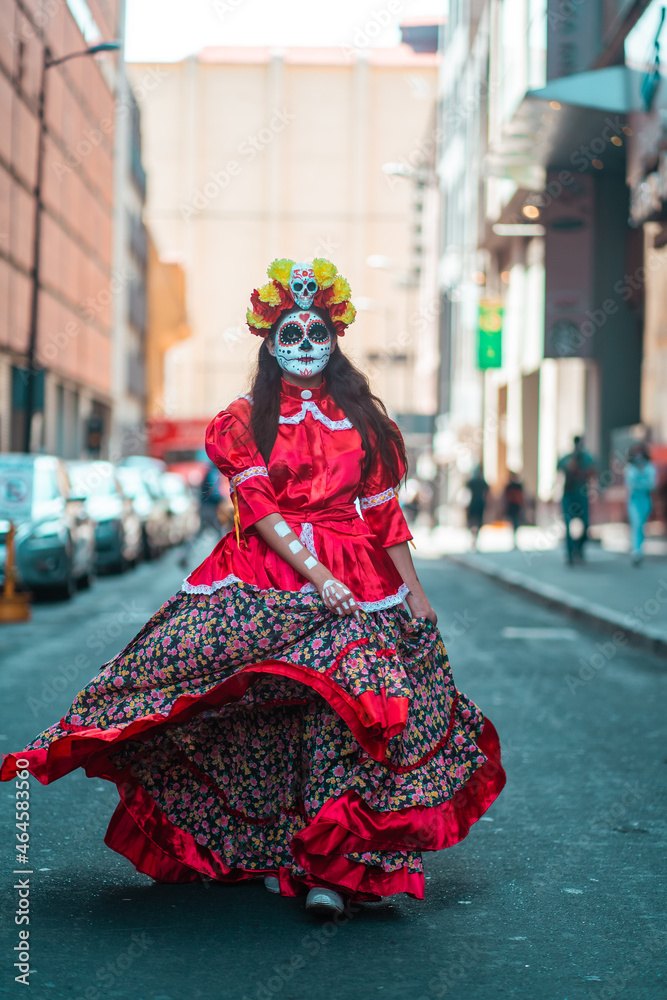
(47, 63)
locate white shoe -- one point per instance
(324, 902)
(272, 883)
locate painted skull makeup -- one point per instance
(302, 344)
(302, 285)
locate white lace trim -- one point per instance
(308, 406)
(245, 395)
(256, 470)
(308, 588)
(386, 602)
(374, 501)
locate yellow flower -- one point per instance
(348, 316)
(280, 270)
(269, 293)
(325, 272)
(256, 321)
(341, 290)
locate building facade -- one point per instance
(255, 154)
(129, 279)
(536, 224)
(71, 341)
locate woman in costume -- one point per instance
(284, 716)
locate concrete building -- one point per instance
(536, 220)
(72, 388)
(255, 154)
(129, 278)
(647, 180)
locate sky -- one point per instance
(168, 30)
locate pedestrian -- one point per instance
(578, 468)
(640, 480)
(479, 490)
(284, 716)
(514, 500)
(213, 502)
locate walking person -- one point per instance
(479, 491)
(513, 499)
(640, 481)
(285, 716)
(578, 468)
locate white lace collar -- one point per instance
(309, 406)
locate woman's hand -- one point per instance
(337, 597)
(420, 607)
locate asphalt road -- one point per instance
(555, 894)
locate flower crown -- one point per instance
(278, 295)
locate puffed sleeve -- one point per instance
(379, 501)
(230, 444)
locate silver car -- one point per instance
(118, 530)
(55, 535)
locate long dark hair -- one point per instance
(349, 390)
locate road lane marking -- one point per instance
(519, 632)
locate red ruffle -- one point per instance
(372, 720)
(141, 832)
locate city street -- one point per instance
(554, 894)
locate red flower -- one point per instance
(268, 312)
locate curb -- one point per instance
(577, 608)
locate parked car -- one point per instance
(183, 507)
(150, 504)
(55, 534)
(118, 530)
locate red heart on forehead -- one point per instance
(304, 317)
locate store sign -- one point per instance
(573, 37)
(490, 334)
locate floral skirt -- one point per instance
(254, 732)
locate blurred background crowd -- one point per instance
(490, 176)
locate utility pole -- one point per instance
(31, 374)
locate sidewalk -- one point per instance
(605, 590)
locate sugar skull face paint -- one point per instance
(302, 344)
(302, 285)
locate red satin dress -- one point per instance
(313, 479)
(251, 731)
